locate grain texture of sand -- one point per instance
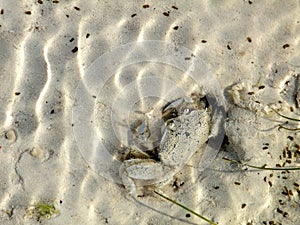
(55, 113)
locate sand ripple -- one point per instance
(46, 47)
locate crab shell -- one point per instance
(187, 134)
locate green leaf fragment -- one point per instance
(43, 211)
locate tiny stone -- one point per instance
(11, 135)
(36, 152)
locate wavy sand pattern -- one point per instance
(46, 47)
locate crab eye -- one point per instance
(186, 111)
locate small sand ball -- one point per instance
(36, 152)
(11, 135)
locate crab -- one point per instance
(187, 128)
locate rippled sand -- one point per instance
(46, 47)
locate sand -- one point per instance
(55, 113)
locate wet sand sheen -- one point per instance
(46, 49)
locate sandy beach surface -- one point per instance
(83, 84)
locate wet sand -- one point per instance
(251, 49)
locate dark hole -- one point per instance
(166, 13)
(146, 6)
(205, 101)
(290, 138)
(279, 210)
(174, 7)
(74, 50)
(225, 141)
(87, 35)
(176, 27)
(133, 15)
(285, 46)
(77, 8)
(28, 12)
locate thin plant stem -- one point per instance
(186, 208)
(261, 167)
(286, 117)
(287, 128)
